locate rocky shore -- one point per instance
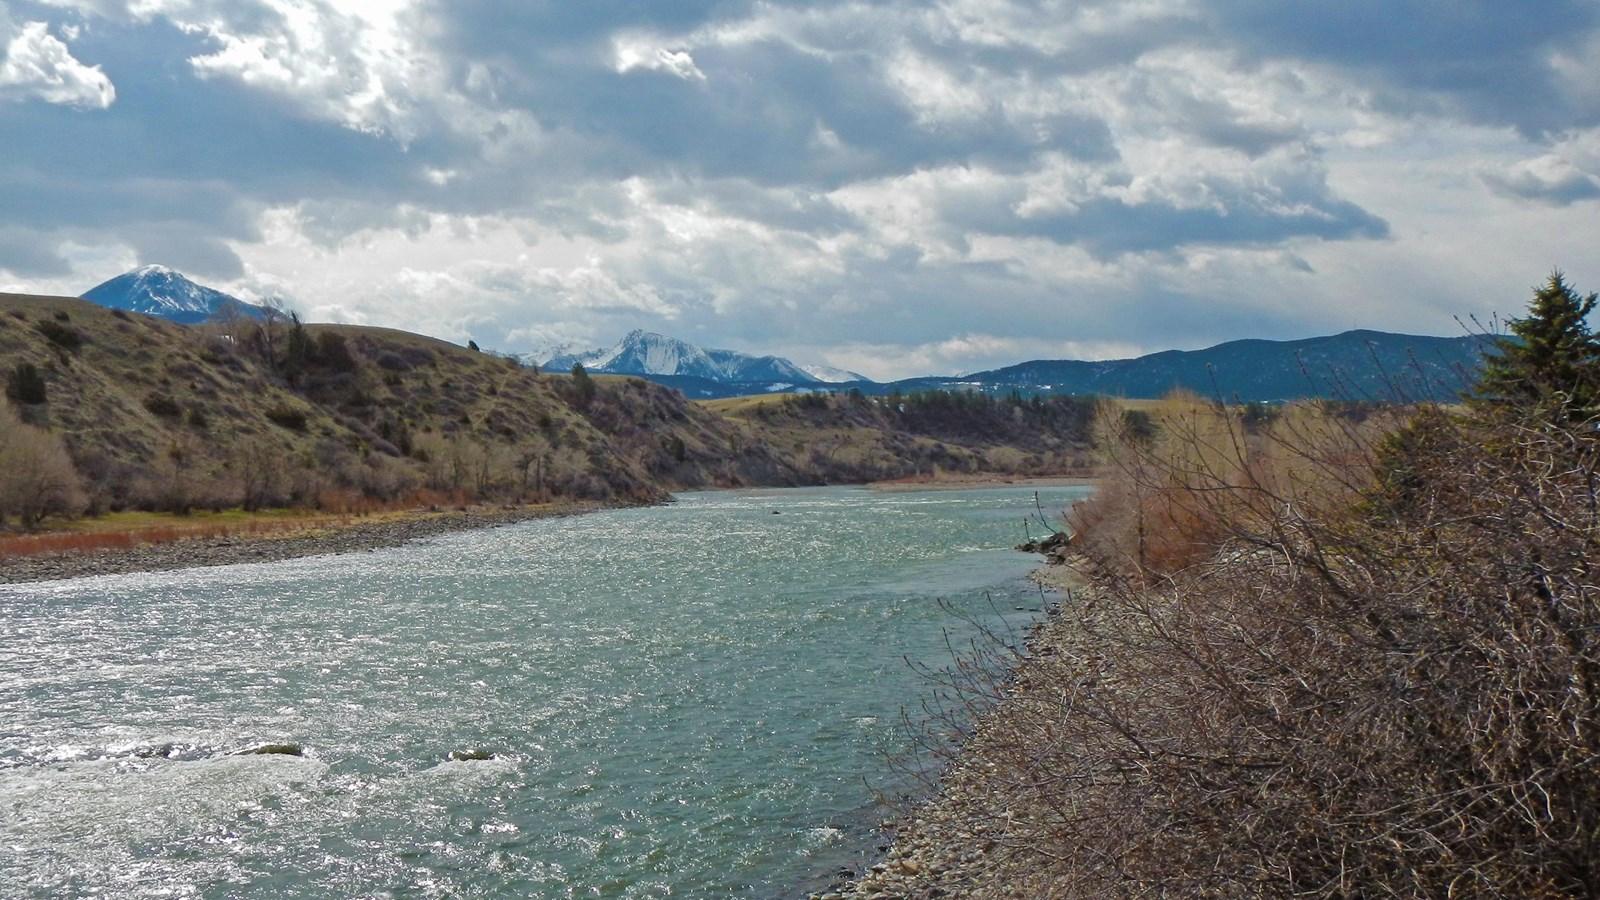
(190, 553)
(944, 847)
(961, 481)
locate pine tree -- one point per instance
(1551, 360)
(584, 386)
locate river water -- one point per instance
(692, 700)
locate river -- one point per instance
(692, 700)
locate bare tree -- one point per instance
(37, 478)
(531, 461)
(262, 473)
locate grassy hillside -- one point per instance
(163, 416)
(110, 410)
(844, 438)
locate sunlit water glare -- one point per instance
(692, 700)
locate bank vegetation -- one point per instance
(1331, 652)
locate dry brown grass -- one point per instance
(15, 545)
(1171, 496)
(125, 531)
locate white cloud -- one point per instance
(355, 63)
(39, 65)
(962, 354)
(935, 92)
(900, 187)
(1550, 178)
(639, 51)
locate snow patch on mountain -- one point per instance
(831, 375)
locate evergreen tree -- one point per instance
(1551, 360)
(583, 385)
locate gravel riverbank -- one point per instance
(188, 553)
(944, 847)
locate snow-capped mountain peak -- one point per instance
(160, 291)
(643, 352)
(648, 353)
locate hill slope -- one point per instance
(846, 438)
(265, 413)
(157, 414)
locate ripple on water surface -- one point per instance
(686, 700)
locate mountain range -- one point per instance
(1356, 365)
(1353, 365)
(656, 355)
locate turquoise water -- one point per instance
(683, 701)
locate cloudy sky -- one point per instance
(899, 187)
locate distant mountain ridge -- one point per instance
(160, 291)
(648, 353)
(1354, 365)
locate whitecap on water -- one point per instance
(76, 828)
(822, 837)
(463, 770)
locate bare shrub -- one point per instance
(1337, 690)
(263, 476)
(37, 478)
(1192, 475)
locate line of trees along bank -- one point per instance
(1335, 656)
(967, 414)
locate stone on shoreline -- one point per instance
(274, 750)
